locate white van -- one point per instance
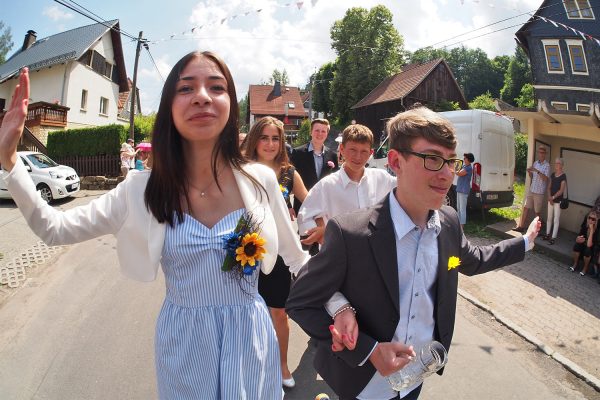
(490, 137)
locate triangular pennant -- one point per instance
(223, 20)
(193, 29)
(314, 2)
(299, 4)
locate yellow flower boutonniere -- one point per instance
(453, 262)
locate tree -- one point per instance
(243, 106)
(475, 73)
(5, 42)
(499, 68)
(321, 89)
(279, 76)
(143, 126)
(369, 49)
(526, 98)
(483, 102)
(517, 75)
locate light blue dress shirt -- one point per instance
(318, 157)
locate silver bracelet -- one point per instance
(341, 310)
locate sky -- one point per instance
(284, 34)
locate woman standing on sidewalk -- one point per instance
(265, 143)
(556, 189)
(214, 336)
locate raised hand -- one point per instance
(14, 122)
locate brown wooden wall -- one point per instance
(439, 85)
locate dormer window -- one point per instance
(577, 55)
(583, 107)
(578, 9)
(560, 105)
(553, 57)
(291, 105)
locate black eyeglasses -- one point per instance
(433, 162)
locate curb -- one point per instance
(564, 361)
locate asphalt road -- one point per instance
(77, 329)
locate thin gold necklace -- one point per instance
(204, 191)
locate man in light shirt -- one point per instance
(351, 188)
(397, 266)
(539, 173)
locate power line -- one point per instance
(100, 21)
(96, 15)
(153, 62)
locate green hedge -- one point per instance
(520, 154)
(101, 140)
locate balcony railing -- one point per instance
(44, 114)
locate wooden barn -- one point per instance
(430, 84)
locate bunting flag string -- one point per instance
(556, 24)
(194, 30)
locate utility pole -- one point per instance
(133, 88)
(310, 96)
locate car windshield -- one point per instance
(41, 160)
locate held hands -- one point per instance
(14, 122)
(388, 357)
(344, 331)
(315, 235)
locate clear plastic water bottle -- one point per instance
(429, 359)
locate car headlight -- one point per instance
(54, 175)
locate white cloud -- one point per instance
(298, 41)
(56, 14)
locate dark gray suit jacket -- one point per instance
(359, 260)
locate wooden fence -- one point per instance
(93, 165)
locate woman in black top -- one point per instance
(556, 191)
(586, 242)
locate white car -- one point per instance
(52, 180)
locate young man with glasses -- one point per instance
(393, 268)
(539, 173)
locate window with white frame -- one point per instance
(553, 57)
(577, 56)
(583, 107)
(560, 105)
(103, 106)
(84, 97)
(578, 9)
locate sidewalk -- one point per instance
(541, 300)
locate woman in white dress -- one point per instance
(214, 338)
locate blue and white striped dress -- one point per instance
(214, 336)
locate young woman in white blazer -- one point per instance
(214, 337)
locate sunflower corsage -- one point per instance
(284, 191)
(245, 247)
(453, 262)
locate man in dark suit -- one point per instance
(397, 265)
(314, 160)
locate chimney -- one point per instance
(29, 40)
(277, 89)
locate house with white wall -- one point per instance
(77, 78)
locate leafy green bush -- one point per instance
(520, 154)
(101, 140)
(142, 127)
(303, 134)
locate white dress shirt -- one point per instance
(337, 194)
